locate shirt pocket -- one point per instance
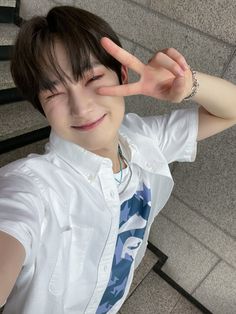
(79, 251)
(74, 248)
(57, 282)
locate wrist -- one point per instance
(195, 86)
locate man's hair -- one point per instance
(34, 59)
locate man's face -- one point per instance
(78, 104)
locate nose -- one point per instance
(80, 101)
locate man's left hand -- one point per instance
(166, 76)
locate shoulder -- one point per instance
(20, 164)
(158, 124)
(23, 172)
(136, 124)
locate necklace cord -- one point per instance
(130, 170)
(120, 155)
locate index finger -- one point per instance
(123, 56)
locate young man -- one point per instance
(75, 221)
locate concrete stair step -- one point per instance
(149, 260)
(6, 80)
(8, 34)
(155, 296)
(151, 294)
(8, 3)
(19, 118)
(36, 148)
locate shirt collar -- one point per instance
(136, 148)
(145, 152)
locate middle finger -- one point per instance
(161, 59)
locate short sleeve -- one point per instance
(21, 211)
(176, 133)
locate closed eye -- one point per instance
(94, 78)
(51, 96)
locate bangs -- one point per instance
(79, 44)
(48, 70)
(34, 66)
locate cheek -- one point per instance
(55, 113)
(117, 107)
(114, 103)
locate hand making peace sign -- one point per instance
(160, 78)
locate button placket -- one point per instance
(109, 188)
(90, 178)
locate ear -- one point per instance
(124, 74)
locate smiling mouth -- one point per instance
(90, 126)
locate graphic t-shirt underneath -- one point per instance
(134, 212)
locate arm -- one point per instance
(216, 95)
(12, 255)
(217, 98)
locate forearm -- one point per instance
(216, 95)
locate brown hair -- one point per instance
(33, 58)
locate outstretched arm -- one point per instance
(12, 255)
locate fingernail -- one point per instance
(181, 73)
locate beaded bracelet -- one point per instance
(194, 87)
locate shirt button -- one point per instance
(90, 177)
(105, 268)
(148, 165)
(112, 194)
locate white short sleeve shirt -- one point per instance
(83, 238)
